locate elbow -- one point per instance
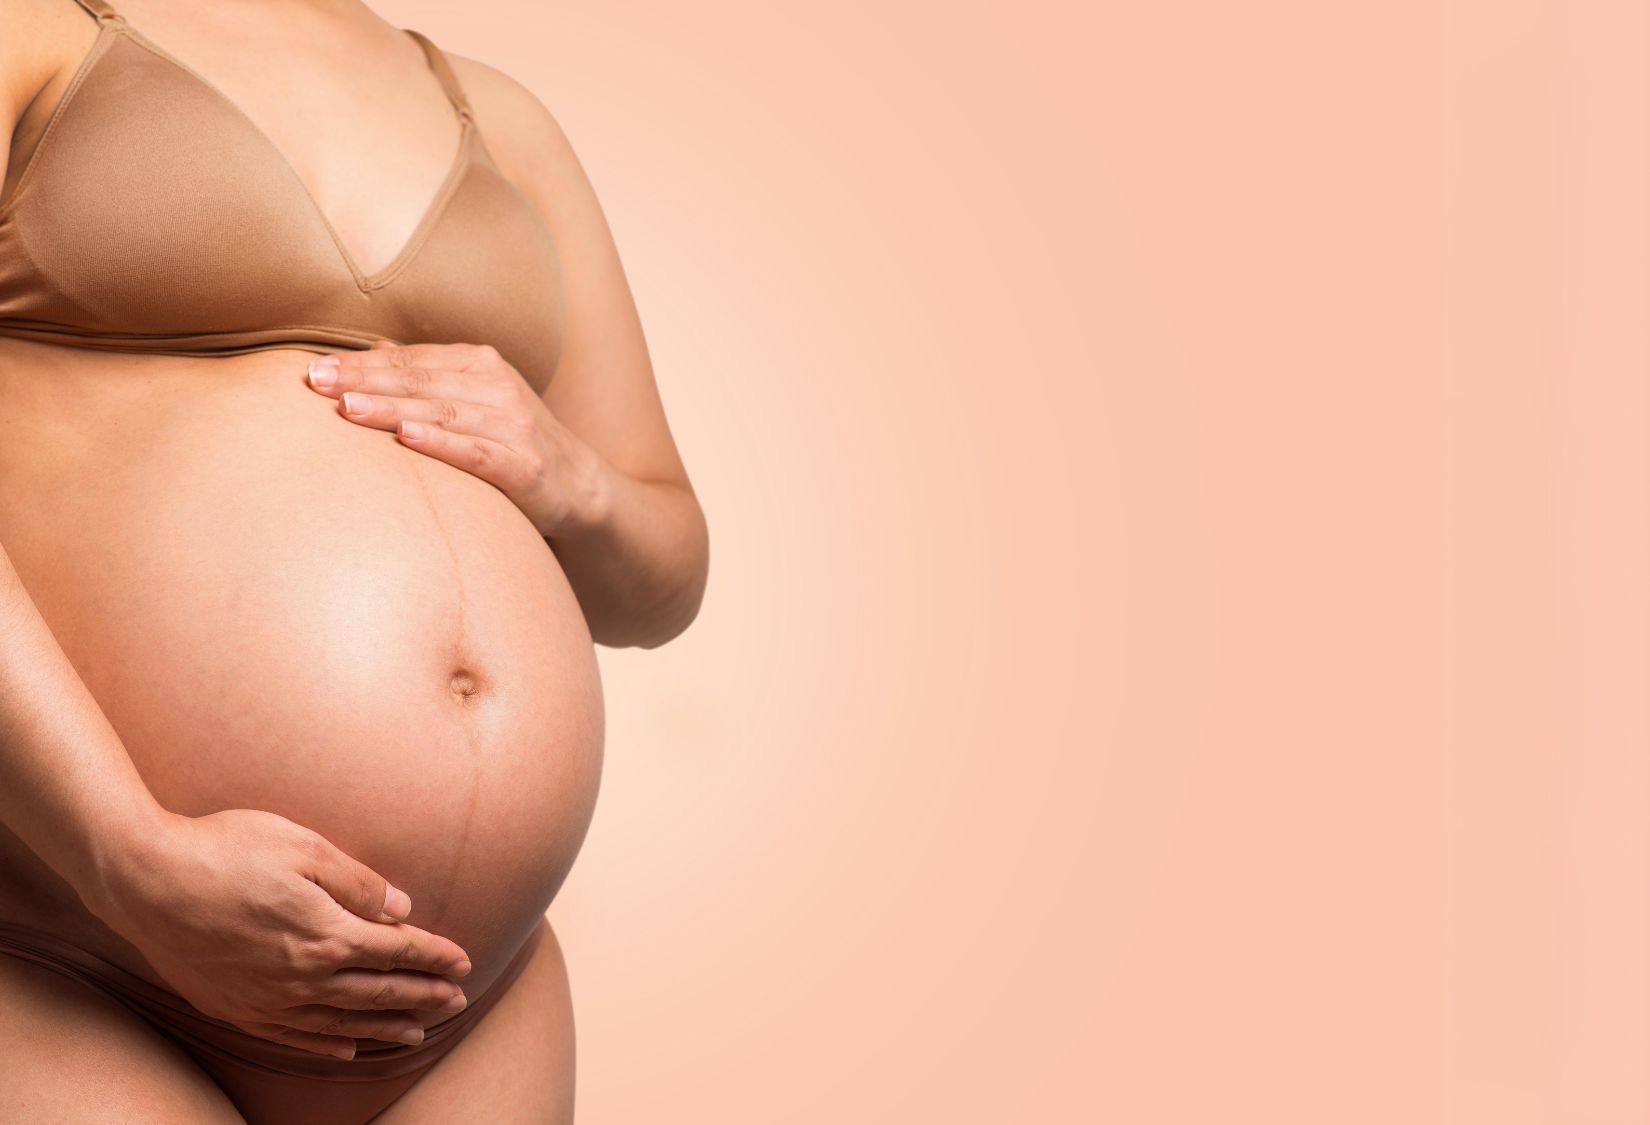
(667, 627)
(668, 616)
(650, 630)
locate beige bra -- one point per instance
(155, 216)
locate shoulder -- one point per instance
(39, 39)
(523, 136)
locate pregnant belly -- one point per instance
(279, 609)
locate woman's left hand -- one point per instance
(465, 405)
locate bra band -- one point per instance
(443, 72)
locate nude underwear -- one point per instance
(267, 1081)
(155, 216)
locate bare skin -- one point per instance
(239, 625)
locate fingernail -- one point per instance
(459, 968)
(396, 903)
(412, 431)
(323, 374)
(354, 403)
(344, 1052)
(456, 1004)
(413, 1036)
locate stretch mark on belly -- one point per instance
(465, 685)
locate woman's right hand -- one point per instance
(264, 924)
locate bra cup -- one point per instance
(173, 219)
(154, 216)
(513, 297)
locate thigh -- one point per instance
(70, 1055)
(515, 1067)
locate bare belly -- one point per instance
(279, 609)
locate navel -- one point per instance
(464, 684)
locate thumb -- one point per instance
(359, 889)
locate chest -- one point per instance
(154, 212)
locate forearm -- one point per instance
(68, 788)
(637, 559)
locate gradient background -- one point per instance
(1178, 637)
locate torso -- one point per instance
(280, 609)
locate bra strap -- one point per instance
(101, 11)
(438, 63)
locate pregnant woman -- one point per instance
(329, 447)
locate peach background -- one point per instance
(1177, 638)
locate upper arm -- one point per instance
(603, 389)
(34, 36)
(15, 89)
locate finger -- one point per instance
(319, 1019)
(456, 356)
(403, 947)
(500, 465)
(355, 886)
(385, 411)
(339, 1046)
(333, 380)
(387, 353)
(368, 989)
